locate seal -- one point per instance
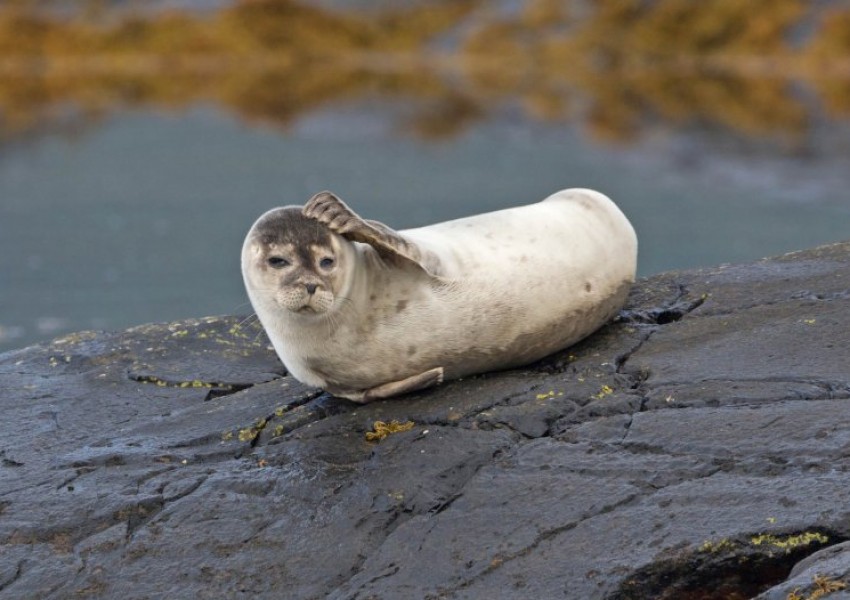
(366, 312)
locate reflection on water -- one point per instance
(617, 68)
(136, 151)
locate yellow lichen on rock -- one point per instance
(605, 390)
(823, 586)
(249, 434)
(382, 429)
(718, 546)
(789, 542)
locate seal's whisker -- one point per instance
(248, 319)
(256, 337)
(332, 322)
(347, 304)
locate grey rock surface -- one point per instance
(697, 448)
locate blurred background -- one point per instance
(140, 140)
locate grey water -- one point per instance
(141, 217)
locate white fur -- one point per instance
(513, 286)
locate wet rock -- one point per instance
(698, 448)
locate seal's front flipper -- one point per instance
(415, 383)
(327, 208)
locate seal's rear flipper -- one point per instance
(327, 208)
(415, 383)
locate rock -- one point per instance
(826, 571)
(698, 447)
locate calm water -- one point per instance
(127, 181)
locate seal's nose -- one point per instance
(311, 288)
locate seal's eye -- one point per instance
(277, 262)
(326, 263)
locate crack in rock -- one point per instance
(142, 512)
(453, 497)
(796, 297)
(289, 417)
(216, 389)
(669, 312)
(736, 568)
(807, 295)
(9, 462)
(628, 427)
(638, 377)
(19, 570)
(184, 491)
(500, 561)
(830, 390)
(403, 513)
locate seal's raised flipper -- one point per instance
(327, 208)
(414, 383)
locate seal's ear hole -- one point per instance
(277, 262)
(326, 263)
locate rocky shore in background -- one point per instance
(697, 448)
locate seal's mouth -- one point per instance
(299, 303)
(308, 309)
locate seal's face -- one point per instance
(295, 262)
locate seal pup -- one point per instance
(366, 312)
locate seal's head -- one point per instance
(295, 263)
